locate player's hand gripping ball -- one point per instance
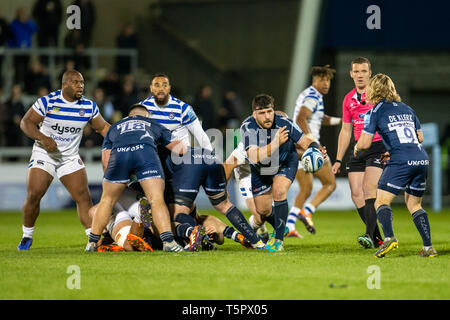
(312, 160)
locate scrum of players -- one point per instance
(152, 174)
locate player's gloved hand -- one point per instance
(49, 144)
(282, 135)
(385, 157)
(336, 168)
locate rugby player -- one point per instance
(200, 167)
(174, 114)
(365, 169)
(309, 115)
(56, 123)
(270, 143)
(407, 167)
(130, 147)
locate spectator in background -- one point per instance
(5, 34)
(48, 17)
(15, 110)
(104, 104)
(127, 39)
(36, 78)
(69, 64)
(127, 97)
(3, 120)
(88, 17)
(204, 106)
(74, 40)
(110, 84)
(229, 112)
(22, 30)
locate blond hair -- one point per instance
(382, 87)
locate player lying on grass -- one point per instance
(130, 147)
(131, 223)
(200, 168)
(407, 167)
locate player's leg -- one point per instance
(110, 195)
(328, 181)
(77, 185)
(154, 191)
(305, 182)
(355, 181)
(370, 185)
(38, 181)
(280, 188)
(413, 199)
(385, 217)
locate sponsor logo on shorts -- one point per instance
(63, 129)
(80, 162)
(418, 162)
(133, 148)
(40, 162)
(150, 171)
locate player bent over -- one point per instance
(407, 167)
(270, 142)
(130, 147)
(56, 123)
(200, 167)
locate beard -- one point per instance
(161, 101)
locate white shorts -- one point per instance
(65, 166)
(245, 187)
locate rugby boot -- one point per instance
(388, 245)
(306, 218)
(138, 243)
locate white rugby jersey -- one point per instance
(175, 116)
(243, 168)
(313, 100)
(64, 121)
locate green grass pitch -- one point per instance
(327, 265)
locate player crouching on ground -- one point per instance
(407, 167)
(130, 147)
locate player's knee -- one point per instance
(279, 194)
(380, 202)
(34, 197)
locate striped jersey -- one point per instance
(64, 121)
(175, 116)
(313, 100)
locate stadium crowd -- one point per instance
(115, 92)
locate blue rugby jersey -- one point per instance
(64, 121)
(253, 135)
(136, 130)
(397, 125)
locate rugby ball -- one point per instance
(312, 160)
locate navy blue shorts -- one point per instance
(140, 159)
(188, 178)
(262, 183)
(411, 178)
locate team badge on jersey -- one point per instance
(171, 116)
(54, 110)
(81, 113)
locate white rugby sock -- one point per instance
(292, 218)
(87, 231)
(27, 232)
(310, 208)
(253, 224)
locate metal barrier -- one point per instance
(53, 53)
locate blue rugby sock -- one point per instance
(185, 218)
(281, 211)
(385, 218)
(166, 236)
(420, 218)
(240, 223)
